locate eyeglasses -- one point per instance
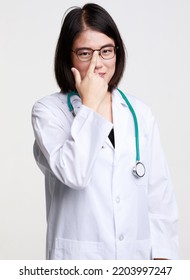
(85, 54)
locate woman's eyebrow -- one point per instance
(87, 48)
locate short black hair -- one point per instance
(96, 18)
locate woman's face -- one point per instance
(94, 40)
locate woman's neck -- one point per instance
(105, 107)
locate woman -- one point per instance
(96, 207)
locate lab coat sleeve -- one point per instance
(69, 151)
(161, 202)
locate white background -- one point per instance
(156, 34)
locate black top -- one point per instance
(111, 137)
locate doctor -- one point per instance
(96, 207)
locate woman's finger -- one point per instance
(92, 65)
(76, 75)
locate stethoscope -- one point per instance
(139, 169)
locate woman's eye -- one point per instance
(84, 53)
(107, 51)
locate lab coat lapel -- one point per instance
(120, 118)
(120, 121)
(76, 102)
(108, 142)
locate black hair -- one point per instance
(76, 20)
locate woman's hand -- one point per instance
(92, 88)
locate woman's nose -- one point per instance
(99, 61)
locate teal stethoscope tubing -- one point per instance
(135, 124)
(139, 165)
(69, 100)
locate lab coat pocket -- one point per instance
(66, 249)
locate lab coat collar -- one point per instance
(117, 96)
(76, 101)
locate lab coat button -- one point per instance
(121, 237)
(117, 199)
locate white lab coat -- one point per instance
(96, 208)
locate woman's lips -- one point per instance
(101, 75)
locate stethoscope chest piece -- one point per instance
(139, 170)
